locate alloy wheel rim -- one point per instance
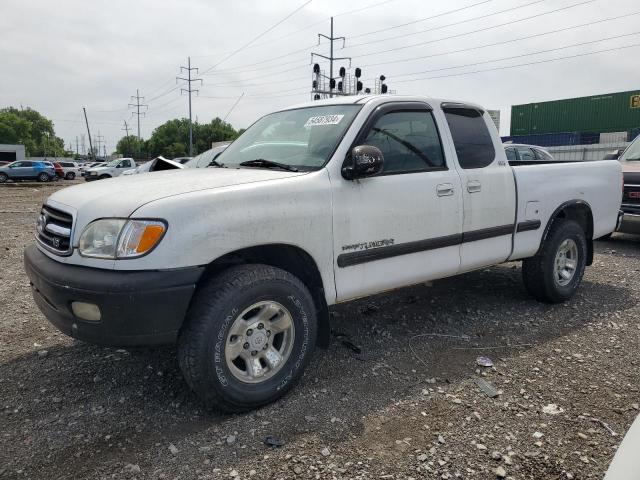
(259, 342)
(566, 262)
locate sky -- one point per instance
(58, 57)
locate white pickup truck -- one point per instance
(114, 168)
(313, 205)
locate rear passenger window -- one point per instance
(471, 138)
(408, 140)
(542, 155)
(511, 154)
(526, 154)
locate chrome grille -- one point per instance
(53, 230)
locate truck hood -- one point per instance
(121, 196)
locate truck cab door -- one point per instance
(488, 188)
(403, 225)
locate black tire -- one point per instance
(215, 306)
(70, 176)
(538, 271)
(3, 177)
(102, 177)
(43, 177)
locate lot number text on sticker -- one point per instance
(324, 120)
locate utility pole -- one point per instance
(137, 105)
(99, 140)
(126, 129)
(331, 58)
(88, 133)
(77, 152)
(189, 90)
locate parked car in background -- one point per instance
(630, 161)
(71, 170)
(517, 152)
(89, 165)
(205, 158)
(155, 165)
(182, 160)
(28, 170)
(114, 168)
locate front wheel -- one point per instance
(43, 177)
(70, 176)
(247, 338)
(3, 177)
(555, 273)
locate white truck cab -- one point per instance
(111, 169)
(312, 205)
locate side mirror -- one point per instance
(364, 161)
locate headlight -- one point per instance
(116, 238)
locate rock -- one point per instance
(422, 457)
(500, 472)
(480, 446)
(132, 468)
(538, 435)
(488, 389)
(43, 353)
(231, 439)
(496, 455)
(440, 439)
(233, 473)
(173, 449)
(507, 459)
(325, 452)
(297, 470)
(252, 473)
(582, 435)
(552, 409)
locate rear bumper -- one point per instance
(138, 308)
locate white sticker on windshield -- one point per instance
(324, 120)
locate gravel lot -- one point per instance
(394, 397)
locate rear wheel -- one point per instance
(43, 177)
(102, 177)
(3, 177)
(248, 336)
(554, 274)
(70, 176)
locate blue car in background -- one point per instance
(27, 170)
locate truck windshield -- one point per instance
(632, 152)
(303, 138)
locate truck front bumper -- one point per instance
(136, 308)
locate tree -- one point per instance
(130, 146)
(31, 129)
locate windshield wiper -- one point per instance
(215, 163)
(261, 162)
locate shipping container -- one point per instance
(613, 112)
(546, 140)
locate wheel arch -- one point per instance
(578, 211)
(290, 258)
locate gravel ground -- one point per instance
(396, 396)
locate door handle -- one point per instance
(444, 189)
(474, 186)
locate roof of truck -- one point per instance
(362, 99)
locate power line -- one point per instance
(516, 56)
(463, 34)
(504, 42)
(189, 91)
(233, 107)
(419, 20)
(538, 62)
(238, 50)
